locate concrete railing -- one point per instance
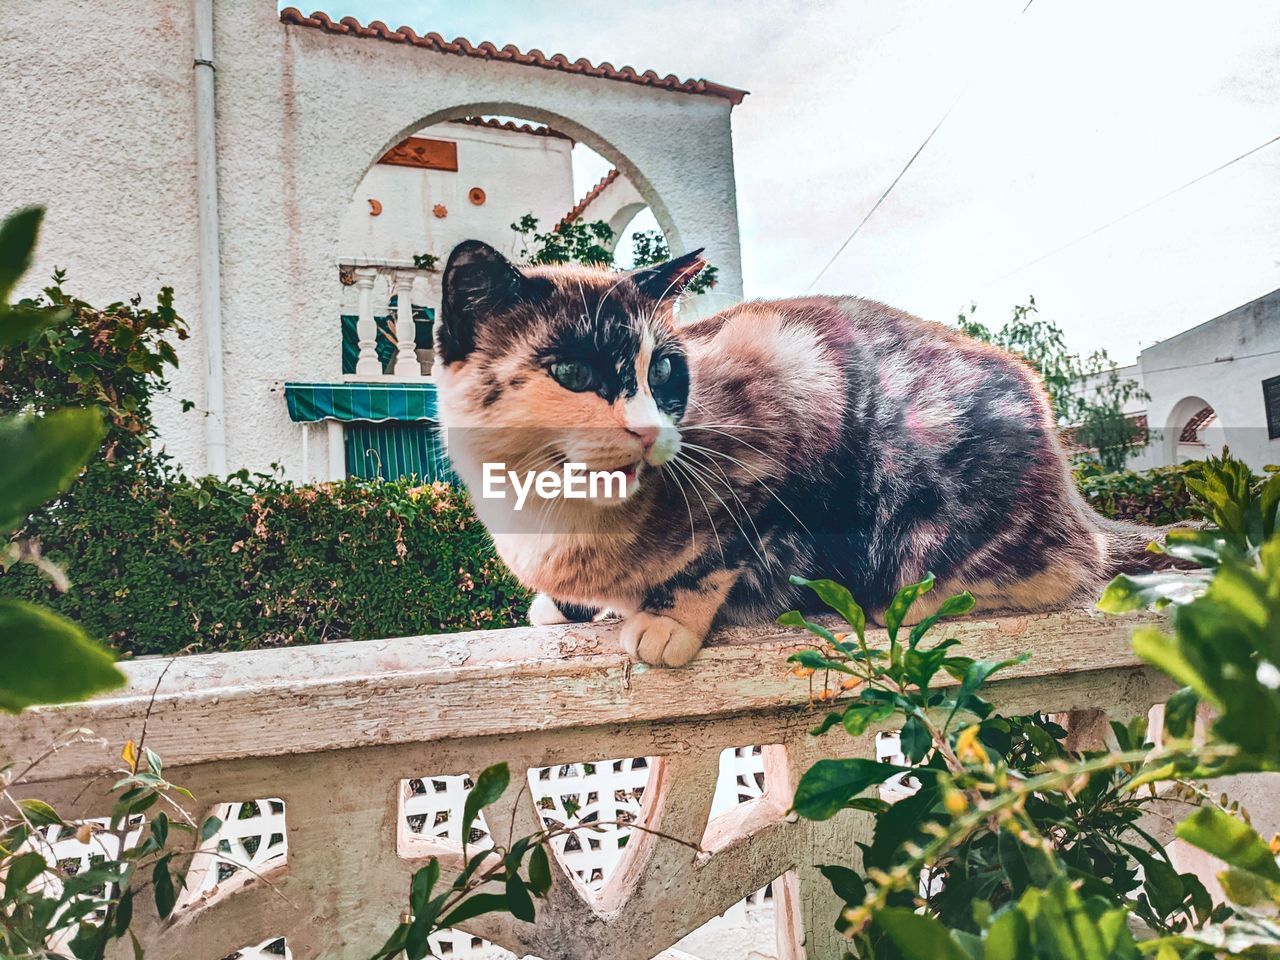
(375, 283)
(346, 738)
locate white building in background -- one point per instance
(1216, 385)
(280, 172)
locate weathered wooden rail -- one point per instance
(335, 731)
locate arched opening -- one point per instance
(504, 174)
(1194, 431)
(508, 179)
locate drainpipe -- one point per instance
(210, 266)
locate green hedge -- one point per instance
(1155, 496)
(163, 564)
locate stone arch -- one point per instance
(556, 121)
(1193, 431)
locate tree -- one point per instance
(577, 241)
(1087, 393)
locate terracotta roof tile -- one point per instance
(510, 53)
(580, 207)
(492, 124)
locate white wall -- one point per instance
(1224, 362)
(1220, 363)
(519, 172)
(98, 123)
(617, 205)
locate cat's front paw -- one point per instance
(659, 640)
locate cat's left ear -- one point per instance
(478, 281)
(667, 281)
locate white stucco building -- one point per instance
(1216, 385)
(238, 155)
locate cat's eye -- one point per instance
(573, 375)
(659, 371)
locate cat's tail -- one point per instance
(1127, 547)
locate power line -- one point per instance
(907, 166)
(1207, 363)
(1133, 212)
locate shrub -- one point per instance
(160, 564)
(1156, 496)
(1039, 850)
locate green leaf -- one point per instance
(474, 906)
(489, 786)
(40, 456)
(18, 235)
(22, 870)
(420, 887)
(829, 785)
(980, 670)
(1161, 882)
(918, 937)
(1008, 937)
(847, 884)
(518, 900)
(21, 323)
(1126, 594)
(816, 661)
(124, 913)
(858, 717)
(915, 739)
(45, 658)
(827, 722)
(955, 606)
(839, 599)
(40, 813)
(160, 828)
(1230, 840)
(794, 618)
(539, 871)
(162, 886)
(1161, 651)
(902, 602)
(210, 827)
(1247, 889)
(397, 942)
(1180, 714)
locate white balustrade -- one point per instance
(367, 748)
(376, 282)
(367, 363)
(405, 366)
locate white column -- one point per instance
(405, 366)
(337, 451)
(367, 364)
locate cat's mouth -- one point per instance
(631, 474)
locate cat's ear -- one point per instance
(667, 281)
(477, 281)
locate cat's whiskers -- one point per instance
(693, 533)
(700, 469)
(683, 469)
(769, 490)
(747, 444)
(739, 426)
(613, 286)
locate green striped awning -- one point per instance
(392, 450)
(404, 400)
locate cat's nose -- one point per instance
(647, 435)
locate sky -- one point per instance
(1064, 116)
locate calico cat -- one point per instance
(822, 436)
